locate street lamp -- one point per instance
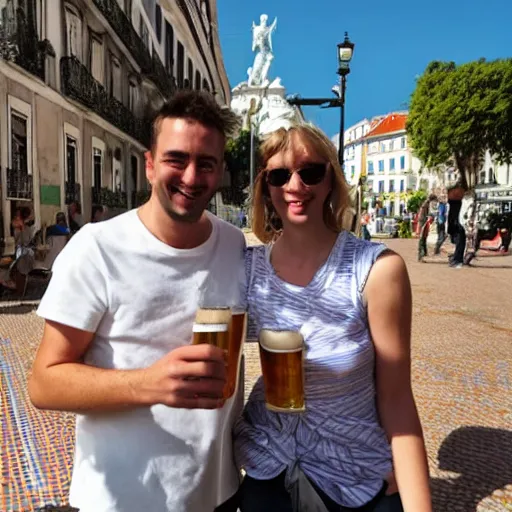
(345, 53)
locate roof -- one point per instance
(392, 123)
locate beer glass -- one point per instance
(211, 326)
(281, 354)
(236, 332)
(226, 330)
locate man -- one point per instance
(153, 432)
(441, 222)
(75, 217)
(455, 228)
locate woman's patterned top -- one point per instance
(337, 442)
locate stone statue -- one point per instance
(262, 44)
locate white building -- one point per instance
(79, 80)
(391, 167)
(378, 150)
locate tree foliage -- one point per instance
(459, 112)
(416, 200)
(238, 161)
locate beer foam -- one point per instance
(281, 341)
(210, 327)
(213, 316)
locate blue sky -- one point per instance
(394, 43)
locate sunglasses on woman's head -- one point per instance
(312, 174)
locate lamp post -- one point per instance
(345, 53)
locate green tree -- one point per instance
(416, 200)
(238, 161)
(459, 112)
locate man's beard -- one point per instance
(188, 217)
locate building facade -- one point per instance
(378, 151)
(79, 81)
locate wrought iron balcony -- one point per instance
(158, 74)
(19, 43)
(124, 29)
(110, 198)
(151, 66)
(20, 184)
(80, 85)
(72, 192)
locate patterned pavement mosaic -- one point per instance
(462, 378)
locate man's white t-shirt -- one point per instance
(140, 297)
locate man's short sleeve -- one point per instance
(77, 293)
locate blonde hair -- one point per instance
(266, 224)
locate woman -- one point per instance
(425, 220)
(365, 220)
(351, 300)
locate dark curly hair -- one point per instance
(198, 106)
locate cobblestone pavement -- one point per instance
(462, 377)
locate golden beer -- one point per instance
(211, 327)
(237, 330)
(282, 365)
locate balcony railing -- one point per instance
(161, 78)
(80, 85)
(72, 192)
(125, 31)
(19, 43)
(20, 184)
(110, 198)
(151, 66)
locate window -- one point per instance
(481, 180)
(73, 32)
(382, 147)
(352, 170)
(115, 78)
(391, 185)
(206, 85)
(369, 184)
(403, 143)
(144, 33)
(402, 185)
(381, 165)
(133, 99)
(190, 73)
(370, 167)
(391, 164)
(181, 65)
(97, 168)
(391, 145)
(198, 81)
(381, 186)
(19, 143)
(492, 177)
(71, 160)
(96, 57)
(169, 48)
(19, 174)
(134, 172)
(41, 18)
(158, 22)
(402, 163)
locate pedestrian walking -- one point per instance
(455, 228)
(425, 220)
(365, 220)
(467, 219)
(441, 218)
(350, 302)
(153, 431)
